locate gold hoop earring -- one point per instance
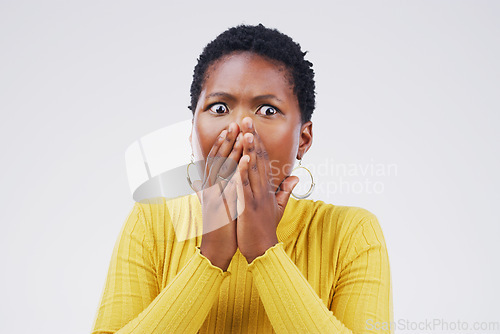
(309, 192)
(188, 177)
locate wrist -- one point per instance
(216, 258)
(262, 250)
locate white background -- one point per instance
(407, 83)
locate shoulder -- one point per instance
(345, 219)
(343, 226)
(158, 207)
(172, 218)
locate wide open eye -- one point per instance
(267, 110)
(218, 108)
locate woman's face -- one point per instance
(245, 85)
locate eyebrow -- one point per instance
(231, 97)
(267, 96)
(221, 94)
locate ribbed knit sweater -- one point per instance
(329, 273)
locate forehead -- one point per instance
(249, 70)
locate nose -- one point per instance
(237, 116)
(242, 119)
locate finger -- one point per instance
(228, 168)
(240, 191)
(243, 189)
(253, 170)
(223, 152)
(262, 159)
(262, 162)
(225, 201)
(231, 196)
(211, 155)
(286, 189)
(247, 126)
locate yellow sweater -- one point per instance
(329, 273)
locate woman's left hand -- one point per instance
(262, 208)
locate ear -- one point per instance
(305, 140)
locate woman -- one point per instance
(264, 262)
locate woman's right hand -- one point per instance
(219, 198)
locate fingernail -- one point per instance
(223, 134)
(238, 137)
(250, 139)
(250, 124)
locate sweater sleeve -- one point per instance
(131, 301)
(362, 298)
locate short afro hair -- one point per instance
(269, 43)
